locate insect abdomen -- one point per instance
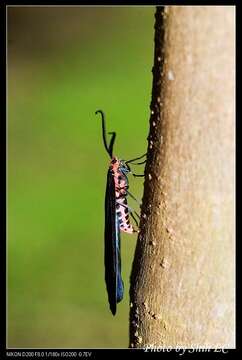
(123, 215)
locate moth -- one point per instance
(117, 218)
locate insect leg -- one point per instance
(138, 175)
(134, 198)
(139, 163)
(131, 212)
(136, 222)
(138, 158)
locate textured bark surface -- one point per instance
(183, 278)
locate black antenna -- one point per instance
(111, 143)
(109, 148)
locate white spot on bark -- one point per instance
(140, 339)
(170, 75)
(145, 305)
(164, 263)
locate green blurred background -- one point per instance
(64, 63)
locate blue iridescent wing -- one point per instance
(120, 284)
(112, 258)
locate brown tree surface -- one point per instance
(183, 277)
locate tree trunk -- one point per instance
(183, 276)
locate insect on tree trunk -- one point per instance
(183, 276)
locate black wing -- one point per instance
(112, 259)
(109, 242)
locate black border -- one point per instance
(3, 153)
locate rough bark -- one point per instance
(182, 281)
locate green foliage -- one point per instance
(57, 172)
